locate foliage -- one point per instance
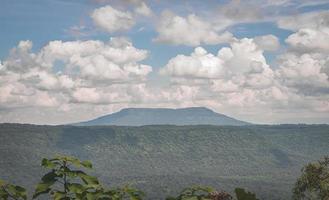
(161, 160)
(201, 193)
(314, 181)
(208, 193)
(241, 194)
(66, 181)
(9, 191)
(61, 173)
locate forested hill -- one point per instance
(163, 159)
(164, 116)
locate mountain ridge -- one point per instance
(164, 116)
(162, 160)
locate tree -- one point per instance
(61, 181)
(66, 181)
(314, 181)
(241, 194)
(201, 193)
(208, 193)
(9, 191)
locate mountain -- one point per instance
(162, 159)
(164, 116)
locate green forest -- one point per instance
(163, 160)
(66, 181)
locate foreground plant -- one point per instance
(314, 181)
(241, 194)
(66, 181)
(9, 191)
(201, 193)
(208, 193)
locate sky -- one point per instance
(262, 61)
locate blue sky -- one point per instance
(44, 20)
(162, 65)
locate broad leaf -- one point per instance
(42, 188)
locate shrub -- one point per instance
(314, 181)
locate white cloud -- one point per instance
(243, 56)
(239, 79)
(88, 66)
(308, 72)
(97, 77)
(86, 95)
(199, 65)
(311, 30)
(312, 20)
(2, 67)
(244, 62)
(112, 20)
(20, 58)
(116, 60)
(241, 11)
(305, 66)
(309, 40)
(190, 30)
(268, 42)
(143, 9)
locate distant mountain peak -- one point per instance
(174, 109)
(164, 116)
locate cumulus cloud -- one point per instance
(200, 64)
(96, 61)
(93, 77)
(143, 9)
(313, 20)
(240, 11)
(112, 20)
(107, 76)
(174, 29)
(305, 66)
(311, 29)
(239, 77)
(1, 66)
(308, 40)
(268, 42)
(308, 73)
(87, 67)
(244, 56)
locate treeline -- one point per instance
(66, 180)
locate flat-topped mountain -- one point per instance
(164, 116)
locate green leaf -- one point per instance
(21, 192)
(47, 164)
(75, 162)
(3, 195)
(70, 173)
(49, 177)
(59, 196)
(87, 179)
(75, 188)
(90, 196)
(241, 194)
(87, 164)
(42, 188)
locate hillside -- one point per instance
(164, 116)
(163, 159)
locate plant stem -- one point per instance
(10, 195)
(65, 178)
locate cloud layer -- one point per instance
(80, 79)
(190, 30)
